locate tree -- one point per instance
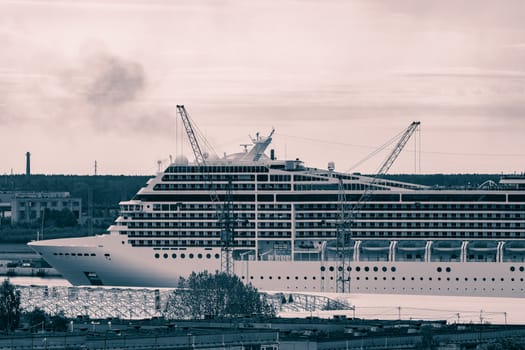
(205, 295)
(9, 306)
(36, 319)
(59, 322)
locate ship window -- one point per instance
(93, 254)
(375, 269)
(217, 256)
(358, 268)
(208, 256)
(174, 256)
(521, 269)
(157, 256)
(322, 267)
(512, 268)
(182, 256)
(439, 269)
(447, 269)
(165, 256)
(384, 269)
(393, 269)
(199, 256)
(191, 255)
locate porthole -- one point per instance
(331, 268)
(358, 268)
(191, 256)
(332, 278)
(421, 278)
(393, 278)
(376, 269)
(262, 277)
(217, 256)
(165, 256)
(296, 277)
(270, 277)
(412, 278)
(182, 256)
(512, 268)
(448, 269)
(375, 278)
(349, 268)
(122, 242)
(367, 268)
(251, 277)
(493, 279)
(358, 278)
(439, 269)
(157, 256)
(502, 280)
(466, 279)
(384, 268)
(287, 277)
(522, 269)
(199, 256)
(314, 278)
(208, 256)
(323, 268)
(305, 277)
(393, 269)
(340, 268)
(174, 256)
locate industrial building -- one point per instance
(28, 207)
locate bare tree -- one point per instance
(205, 295)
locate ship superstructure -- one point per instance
(284, 223)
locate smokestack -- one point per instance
(28, 164)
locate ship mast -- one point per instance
(346, 221)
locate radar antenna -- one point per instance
(346, 221)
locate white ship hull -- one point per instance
(118, 264)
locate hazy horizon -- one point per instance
(99, 80)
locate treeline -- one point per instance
(106, 191)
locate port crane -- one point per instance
(226, 216)
(347, 220)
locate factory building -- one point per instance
(28, 207)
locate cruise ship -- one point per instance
(285, 222)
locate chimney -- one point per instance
(28, 164)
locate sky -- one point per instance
(90, 80)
